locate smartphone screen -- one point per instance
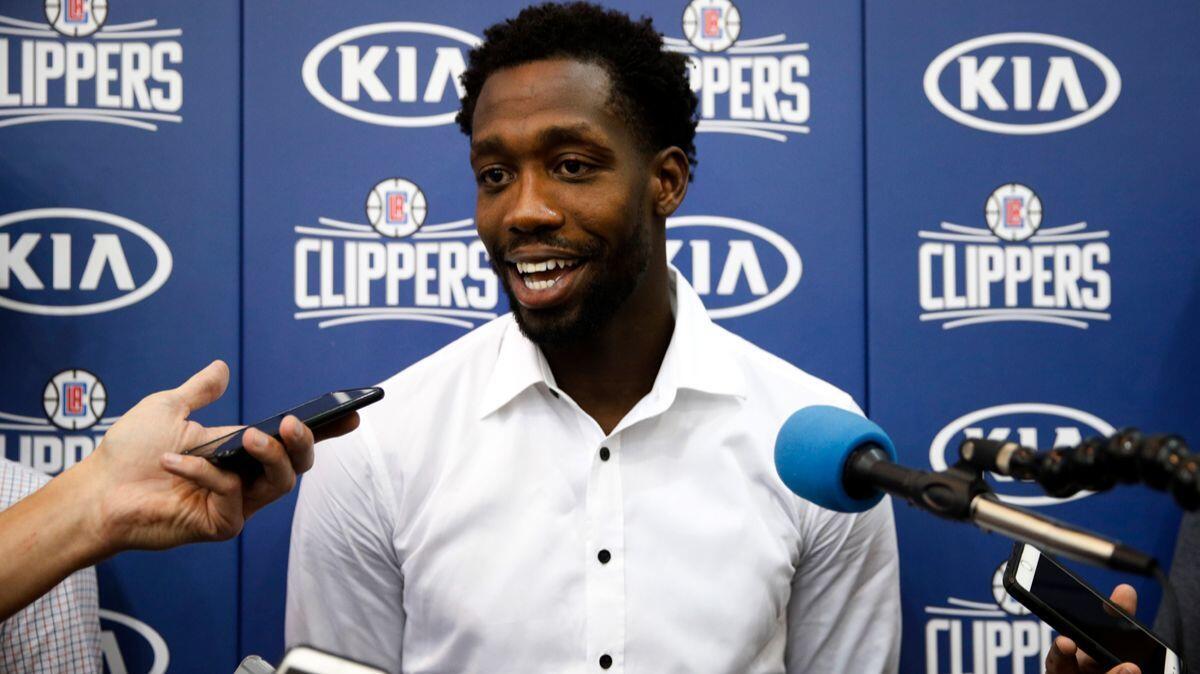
(313, 413)
(1091, 614)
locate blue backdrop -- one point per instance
(977, 223)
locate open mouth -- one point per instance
(544, 274)
(539, 281)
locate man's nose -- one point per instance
(532, 211)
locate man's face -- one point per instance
(563, 202)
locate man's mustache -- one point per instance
(574, 248)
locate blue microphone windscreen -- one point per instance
(811, 452)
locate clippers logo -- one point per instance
(76, 18)
(711, 25)
(126, 74)
(1038, 425)
(397, 268)
(756, 87)
(1013, 212)
(73, 401)
(130, 645)
(1014, 270)
(985, 637)
(737, 267)
(1022, 83)
(401, 73)
(396, 208)
(76, 261)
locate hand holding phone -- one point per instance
(1067, 657)
(1099, 627)
(227, 452)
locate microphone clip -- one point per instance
(949, 493)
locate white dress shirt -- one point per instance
(480, 521)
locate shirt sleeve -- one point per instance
(345, 589)
(844, 612)
(57, 634)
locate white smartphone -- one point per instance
(308, 660)
(1076, 610)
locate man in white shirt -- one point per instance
(586, 484)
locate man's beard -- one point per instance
(618, 274)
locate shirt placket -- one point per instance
(605, 560)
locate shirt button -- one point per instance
(604, 453)
(605, 661)
(604, 556)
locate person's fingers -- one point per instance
(1126, 597)
(298, 440)
(1061, 658)
(335, 428)
(210, 433)
(204, 387)
(278, 476)
(203, 474)
(1125, 668)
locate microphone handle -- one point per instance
(870, 469)
(1018, 524)
(953, 497)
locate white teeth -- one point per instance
(539, 285)
(544, 265)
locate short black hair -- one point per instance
(651, 89)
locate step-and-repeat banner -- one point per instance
(1031, 273)
(119, 269)
(976, 225)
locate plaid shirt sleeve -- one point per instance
(60, 632)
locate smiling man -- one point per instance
(587, 483)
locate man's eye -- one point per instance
(492, 176)
(573, 168)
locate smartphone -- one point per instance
(308, 660)
(228, 453)
(1076, 610)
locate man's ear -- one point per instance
(669, 180)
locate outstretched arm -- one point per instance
(137, 491)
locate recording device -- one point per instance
(1161, 462)
(228, 453)
(308, 660)
(843, 462)
(1076, 610)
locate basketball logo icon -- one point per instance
(1013, 212)
(396, 208)
(74, 400)
(76, 18)
(711, 25)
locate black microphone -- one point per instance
(843, 462)
(1162, 462)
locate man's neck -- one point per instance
(607, 374)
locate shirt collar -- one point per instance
(699, 357)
